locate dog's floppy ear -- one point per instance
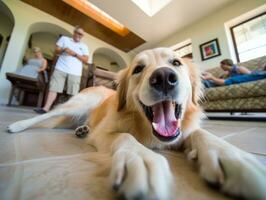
(122, 88)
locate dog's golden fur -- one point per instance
(118, 126)
(119, 112)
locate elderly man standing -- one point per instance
(68, 69)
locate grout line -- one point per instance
(42, 159)
(256, 153)
(236, 133)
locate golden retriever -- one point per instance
(155, 106)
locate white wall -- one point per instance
(46, 41)
(105, 62)
(25, 16)
(6, 26)
(211, 27)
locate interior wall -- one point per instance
(46, 41)
(26, 16)
(6, 26)
(105, 62)
(211, 27)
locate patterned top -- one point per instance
(233, 71)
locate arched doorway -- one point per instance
(44, 35)
(108, 59)
(7, 23)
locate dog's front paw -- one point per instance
(234, 171)
(142, 175)
(16, 127)
(243, 176)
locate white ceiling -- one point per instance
(173, 17)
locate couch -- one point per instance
(244, 97)
(103, 77)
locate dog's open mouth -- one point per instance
(165, 119)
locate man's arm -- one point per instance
(58, 50)
(243, 70)
(44, 66)
(218, 81)
(85, 54)
(83, 58)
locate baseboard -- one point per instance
(254, 117)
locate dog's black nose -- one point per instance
(163, 79)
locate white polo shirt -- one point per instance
(70, 64)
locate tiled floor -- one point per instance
(54, 164)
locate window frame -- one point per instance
(233, 36)
(176, 49)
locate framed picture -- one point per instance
(210, 49)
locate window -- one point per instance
(249, 38)
(184, 51)
(151, 7)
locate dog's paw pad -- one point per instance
(82, 131)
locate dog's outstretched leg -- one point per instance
(24, 124)
(76, 107)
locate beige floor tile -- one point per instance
(233, 123)
(67, 178)
(7, 146)
(72, 178)
(37, 143)
(224, 131)
(7, 116)
(40, 143)
(188, 184)
(8, 183)
(253, 141)
(261, 158)
(228, 128)
(54, 164)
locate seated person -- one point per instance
(34, 65)
(264, 67)
(230, 69)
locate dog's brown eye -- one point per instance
(138, 69)
(176, 62)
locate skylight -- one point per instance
(151, 7)
(98, 15)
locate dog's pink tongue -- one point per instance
(164, 120)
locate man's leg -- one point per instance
(50, 100)
(56, 86)
(73, 84)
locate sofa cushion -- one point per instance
(249, 89)
(106, 78)
(240, 104)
